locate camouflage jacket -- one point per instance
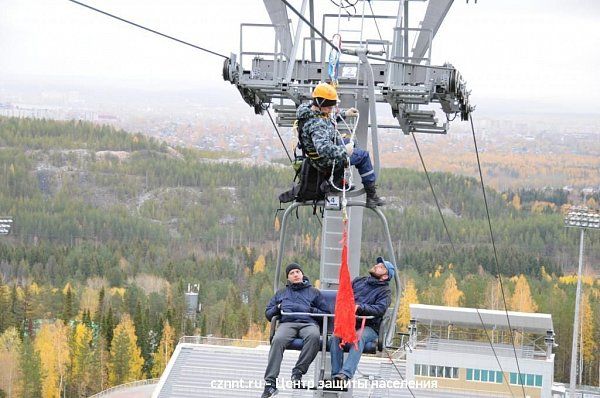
(321, 143)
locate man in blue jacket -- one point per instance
(297, 296)
(372, 296)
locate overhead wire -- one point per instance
(279, 135)
(183, 42)
(349, 4)
(148, 29)
(342, 7)
(398, 371)
(487, 210)
(375, 20)
(494, 351)
(289, 157)
(433, 193)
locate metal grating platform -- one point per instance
(203, 370)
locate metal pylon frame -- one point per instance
(404, 79)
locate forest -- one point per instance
(110, 227)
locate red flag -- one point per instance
(345, 317)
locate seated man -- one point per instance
(372, 296)
(297, 296)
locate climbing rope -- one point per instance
(347, 178)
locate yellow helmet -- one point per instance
(324, 95)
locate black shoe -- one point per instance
(297, 381)
(340, 382)
(372, 199)
(270, 391)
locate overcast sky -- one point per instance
(542, 52)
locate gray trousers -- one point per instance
(286, 332)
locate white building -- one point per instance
(469, 351)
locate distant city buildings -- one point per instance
(514, 140)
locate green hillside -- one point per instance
(109, 223)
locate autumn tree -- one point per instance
(521, 300)
(10, 346)
(453, 296)
(89, 300)
(259, 264)
(254, 333)
(165, 349)
(493, 295)
(52, 345)
(125, 361)
(516, 202)
(409, 296)
(589, 346)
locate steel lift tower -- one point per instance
(372, 70)
(375, 66)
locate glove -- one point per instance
(349, 148)
(351, 112)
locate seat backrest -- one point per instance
(329, 297)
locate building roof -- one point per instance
(459, 316)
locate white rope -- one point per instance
(347, 173)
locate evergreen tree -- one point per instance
(85, 365)
(31, 370)
(6, 315)
(141, 331)
(16, 313)
(86, 318)
(67, 312)
(99, 315)
(108, 327)
(125, 362)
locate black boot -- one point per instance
(372, 199)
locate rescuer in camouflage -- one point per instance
(323, 145)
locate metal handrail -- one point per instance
(323, 315)
(277, 54)
(125, 386)
(218, 341)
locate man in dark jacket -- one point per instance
(297, 296)
(372, 296)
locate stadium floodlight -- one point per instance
(582, 218)
(5, 225)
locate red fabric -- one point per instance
(345, 318)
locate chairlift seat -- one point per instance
(329, 296)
